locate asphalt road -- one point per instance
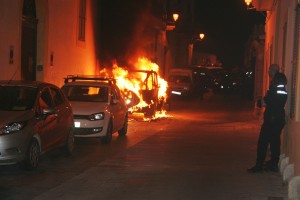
(201, 150)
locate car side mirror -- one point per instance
(48, 111)
(45, 112)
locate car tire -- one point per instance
(69, 144)
(107, 139)
(123, 130)
(151, 111)
(167, 106)
(32, 156)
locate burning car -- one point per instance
(149, 94)
(145, 91)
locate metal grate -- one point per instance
(87, 131)
(81, 117)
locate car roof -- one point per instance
(90, 83)
(93, 80)
(24, 83)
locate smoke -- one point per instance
(126, 31)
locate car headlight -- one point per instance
(96, 116)
(12, 127)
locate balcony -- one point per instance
(263, 5)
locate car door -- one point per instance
(46, 123)
(63, 114)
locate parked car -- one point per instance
(182, 82)
(35, 117)
(226, 83)
(99, 107)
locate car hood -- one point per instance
(13, 116)
(87, 108)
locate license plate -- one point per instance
(77, 124)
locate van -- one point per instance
(181, 82)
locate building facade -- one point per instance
(46, 40)
(161, 39)
(281, 46)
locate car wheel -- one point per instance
(123, 131)
(150, 112)
(69, 145)
(108, 137)
(32, 156)
(167, 106)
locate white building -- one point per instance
(282, 47)
(46, 40)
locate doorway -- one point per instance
(29, 41)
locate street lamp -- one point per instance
(201, 36)
(195, 38)
(261, 10)
(170, 23)
(175, 16)
(249, 4)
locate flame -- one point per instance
(135, 82)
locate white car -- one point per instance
(98, 105)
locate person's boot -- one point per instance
(255, 169)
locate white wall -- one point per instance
(57, 30)
(10, 38)
(70, 56)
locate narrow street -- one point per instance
(200, 151)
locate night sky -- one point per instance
(226, 24)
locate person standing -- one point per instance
(274, 121)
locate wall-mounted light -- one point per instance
(170, 23)
(249, 4)
(261, 10)
(175, 16)
(201, 36)
(197, 38)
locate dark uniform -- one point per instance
(274, 121)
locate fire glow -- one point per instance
(135, 82)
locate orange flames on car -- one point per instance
(130, 81)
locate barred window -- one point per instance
(82, 20)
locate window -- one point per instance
(45, 100)
(57, 96)
(82, 20)
(86, 93)
(115, 93)
(15, 98)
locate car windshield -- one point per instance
(179, 79)
(86, 93)
(17, 98)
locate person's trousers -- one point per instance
(269, 135)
